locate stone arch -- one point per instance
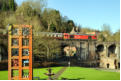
(65, 48)
(108, 65)
(100, 48)
(70, 50)
(111, 49)
(62, 49)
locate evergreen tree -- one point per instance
(4, 7)
(12, 5)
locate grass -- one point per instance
(40, 72)
(77, 73)
(72, 73)
(3, 75)
(36, 73)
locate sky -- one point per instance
(88, 13)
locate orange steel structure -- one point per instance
(20, 52)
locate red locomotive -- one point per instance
(79, 36)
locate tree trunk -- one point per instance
(48, 27)
(0, 57)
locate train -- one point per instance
(68, 36)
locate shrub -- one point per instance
(36, 64)
(4, 65)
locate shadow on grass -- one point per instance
(72, 79)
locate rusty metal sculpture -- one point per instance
(49, 74)
(16, 59)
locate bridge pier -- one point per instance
(92, 54)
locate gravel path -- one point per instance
(55, 77)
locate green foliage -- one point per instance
(52, 17)
(25, 10)
(107, 35)
(7, 5)
(12, 5)
(4, 7)
(54, 21)
(34, 12)
(116, 36)
(52, 28)
(70, 25)
(2, 17)
(26, 14)
(5, 12)
(101, 37)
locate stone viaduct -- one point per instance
(92, 53)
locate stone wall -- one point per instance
(109, 62)
(110, 56)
